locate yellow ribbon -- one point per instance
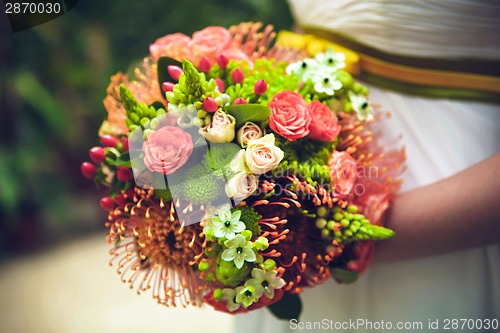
(359, 64)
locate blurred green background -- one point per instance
(53, 79)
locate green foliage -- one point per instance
(219, 157)
(243, 113)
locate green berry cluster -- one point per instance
(345, 226)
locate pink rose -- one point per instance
(173, 46)
(289, 115)
(167, 149)
(324, 125)
(343, 171)
(209, 42)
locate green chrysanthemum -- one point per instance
(201, 186)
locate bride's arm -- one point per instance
(458, 212)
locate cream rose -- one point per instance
(241, 185)
(249, 131)
(221, 129)
(262, 155)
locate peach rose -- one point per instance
(249, 131)
(289, 115)
(324, 125)
(173, 46)
(262, 155)
(343, 171)
(167, 149)
(221, 129)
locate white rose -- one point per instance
(221, 129)
(262, 155)
(249, 131)
(241, 185)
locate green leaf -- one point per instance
(344, 275)
(288, 307)
(248, 112)
(163, 75)
(124, 160)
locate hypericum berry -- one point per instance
(260, 87)
(125, 143)
(204, 64)
(222, 60)
(238, 76)
(220, 85)
(88, 170)
(210, 105)
(109, 141)
(107, 203)
(240, 100)
(167, 86)
(174, 72)
(97, 154)
(120, 200)
(124, 174)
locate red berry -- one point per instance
(210, 105)
(88, 170)
(97, 154)
(120, 200)
(238, 76)
(204, 64)
(260, 87)
(107, 203)
(174, 72)
(167, 86)
(129, 194)
(124, 174)
(220, 85)
(222, 60)
(240, 100)
(108, 140)
(125, 143)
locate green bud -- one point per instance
(348, 106)
(152, 112)
(247, 234)
(337, 234)
(209, 252)
(345, 78)
(320, 223)
(322, 211)
(338, 216)
(358, 217)
(134, 117)
(330, 225)
(227, 273)
(269, 264)
(357, 88)
(325, 233)
(354, 228)
(203, 266)
(261, 243)
(345, 223)
(348, 216)
(148, 132)
(160, 112)
(348, 233)
(144, 121)
(365, 221)
(217, 294)
(154, 123)
(202, 114)
(352, 209)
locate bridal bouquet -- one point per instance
(240, 172)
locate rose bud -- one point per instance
(108, 140)
(174, 72)
(240, 100)
(220, 85)
(260, 87)
(88, 170)
(97, 154)
(210, 105)
(107, 203)
(204, 65)
(247, 132)
(221, 129)
(238, 76)
(167, 86)
(222, 60)
(124, 174)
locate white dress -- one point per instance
(441, 137)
